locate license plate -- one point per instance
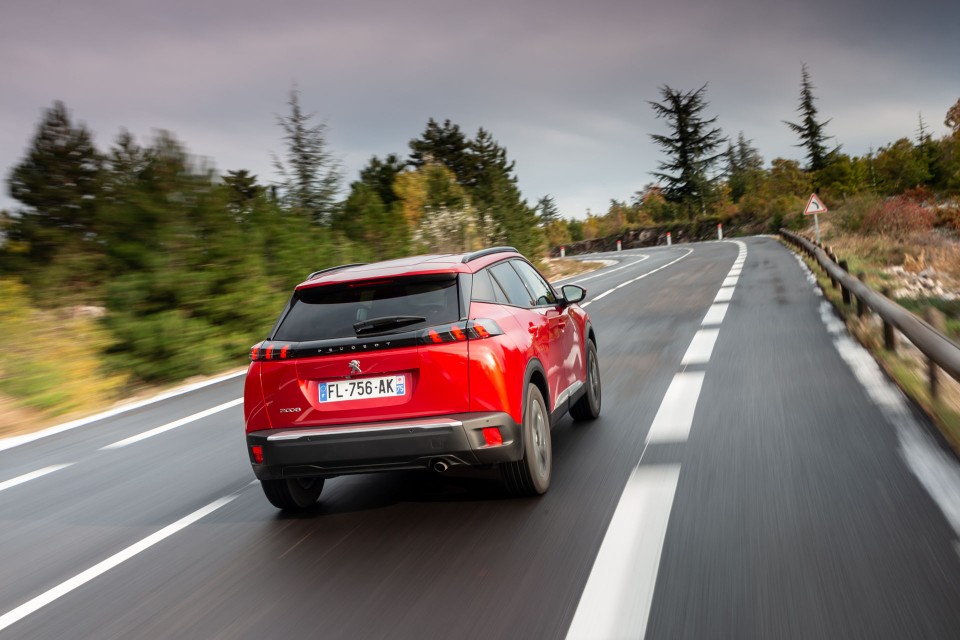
(385, 387)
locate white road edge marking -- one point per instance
(616, 601)
(172, 425)
(116, 559)
(937, 472)
(16, 441)
(27, 477)
(651, 272)
(701, 347)
(675, 415)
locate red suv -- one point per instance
(427, 362)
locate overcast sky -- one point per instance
(563, 85)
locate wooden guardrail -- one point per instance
(939, 350)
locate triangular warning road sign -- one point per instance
(814, 205)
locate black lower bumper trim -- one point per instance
(387, 446)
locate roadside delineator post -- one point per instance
(618, 245)
(669, 239)
(719, 231)
(563, 252)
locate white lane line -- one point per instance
(730, 281)
(172, 425)
(715, 314)
(701, 347)
(16, 441)
(675, 416)
(603, 273)
(648, 273)
(725, 294)
(27, 477)
(100, 568)
(736, 271)
(616, 601)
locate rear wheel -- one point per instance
(530, 475)
(588, 406)
(293, 494)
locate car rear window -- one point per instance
(325, 312)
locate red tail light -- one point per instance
(461, 331)
(269, 351)
(492, 436)
(257, 452)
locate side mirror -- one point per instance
(573, 293)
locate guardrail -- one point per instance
(939, 350)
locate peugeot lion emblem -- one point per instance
(354, 366)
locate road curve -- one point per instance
(744, 480)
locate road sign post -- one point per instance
(815, 206)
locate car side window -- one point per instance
(507, 277)
(542, 293)
(482, 287)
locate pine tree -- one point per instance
(744, 168)
(547, 210)
(446, 145)
(311, 175)
(690, 149)
(811, 131)
(58, 182)
(952, 120)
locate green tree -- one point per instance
(811, 131)
(447, 145)
(744, 168)
(503, 213)
(547, 210)
(900, 166)
(310, 174)
(690, 148)
(54, 236)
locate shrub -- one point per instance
(898, 217)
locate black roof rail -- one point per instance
(470, 257)
(328, 269)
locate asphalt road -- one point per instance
(741, 482)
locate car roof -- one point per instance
(414, 265)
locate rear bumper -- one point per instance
(384, 446)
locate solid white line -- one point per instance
(715, 314)
(701, 347)
(724, 294)
(172, 425)
(736, 271)
(675, 416)
(603, 273)
(651, 272)
(100, 568)
(616, 601)
(27, 477)
(730, 281)
(16, 441)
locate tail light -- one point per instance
(460, 331)
(269, 351)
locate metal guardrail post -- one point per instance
(936, 320)
(861, 305)
(844, 290)
(889, 332)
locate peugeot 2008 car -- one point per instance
(428, 362)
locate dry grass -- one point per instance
(559, 268)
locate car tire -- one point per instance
(530, 476)
(293, 494)
(588, 406)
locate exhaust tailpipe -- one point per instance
(440, 465)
